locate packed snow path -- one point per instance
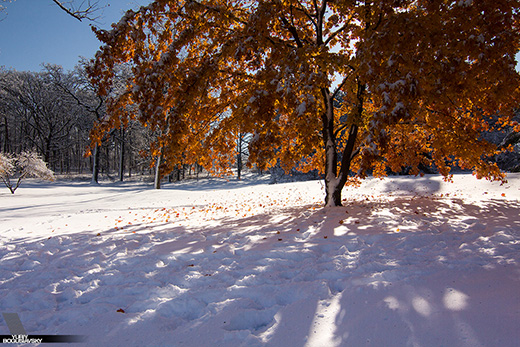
(406, 262)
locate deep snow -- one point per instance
(406, 262)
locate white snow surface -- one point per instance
(408, 261)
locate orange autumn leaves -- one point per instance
(243, 207)
(433, 75)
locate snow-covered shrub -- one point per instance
(6, 165)
(25, 164)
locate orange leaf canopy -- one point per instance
(341, 86)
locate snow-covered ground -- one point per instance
(406, 262)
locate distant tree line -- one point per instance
(52, 113)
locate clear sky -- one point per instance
(38, 31)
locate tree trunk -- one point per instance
(95, 165)
(6, 138)
(47, 153)
(130, 161)
(333, 193)
(122, 156)
(106, 162)
(239, 156)
(157, 180)
(334, 181)
(332, 189)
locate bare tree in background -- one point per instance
(86, 9)
(46, 113)
(242, 151)
(80, 9)
(77, 86)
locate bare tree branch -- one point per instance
(79, 9)
(87, 9)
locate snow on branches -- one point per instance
(19, 167)
(419, 81)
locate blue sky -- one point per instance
(37, 31)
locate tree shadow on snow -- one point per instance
(412, 271)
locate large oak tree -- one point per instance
(349, 87)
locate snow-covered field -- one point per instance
(406, 262)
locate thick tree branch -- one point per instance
(306, 13)
(340, 128)
(348, 152)
(320, 14)
(334, 34)
(340, 86)
(292, 30)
